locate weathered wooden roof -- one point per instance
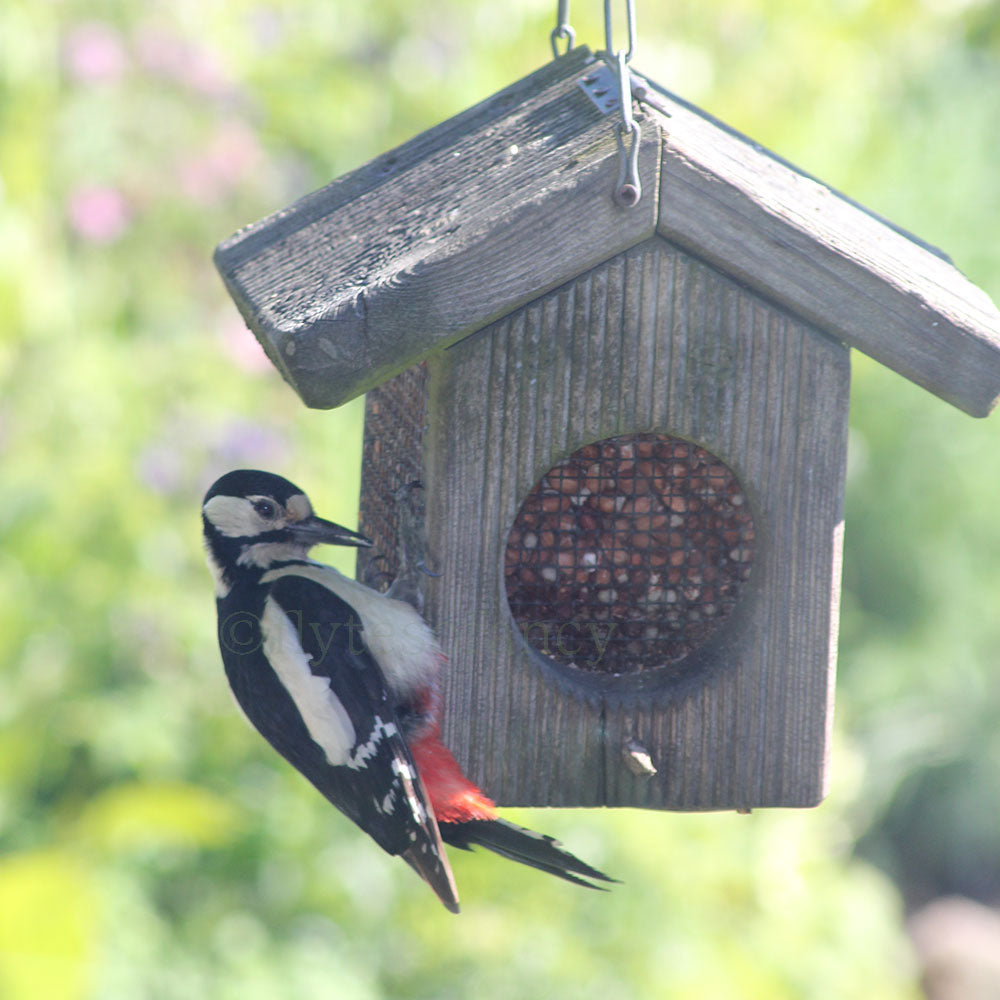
(490, 209)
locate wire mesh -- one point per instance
(392, 456)
(629, 554)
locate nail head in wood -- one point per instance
(637, 759)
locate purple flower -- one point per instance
(243, 442)
(160, 468)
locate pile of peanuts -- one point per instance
(628, 554)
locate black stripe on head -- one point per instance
(252, 482)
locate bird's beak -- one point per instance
(315, 531)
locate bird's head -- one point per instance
(253, 520)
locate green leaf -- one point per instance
(48, 920)
(145, 814)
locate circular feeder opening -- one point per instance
(629, 554)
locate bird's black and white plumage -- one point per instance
(342, 681)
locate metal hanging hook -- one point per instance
(609, 47)
(629, 189)
(563, 29)
(624, 92)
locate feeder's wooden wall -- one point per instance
(651, 340)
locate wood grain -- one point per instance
(433, 241)
(826, 259)
(476, 217)
(652, 340)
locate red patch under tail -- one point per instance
(454, 798)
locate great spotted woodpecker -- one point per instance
(342, 681)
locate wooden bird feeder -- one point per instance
(630, 423)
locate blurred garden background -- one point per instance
(151, 846)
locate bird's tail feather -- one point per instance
(520, 844)
(435, 873)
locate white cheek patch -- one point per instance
(233, 517)
(324, 716)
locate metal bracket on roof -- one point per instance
(600, 84)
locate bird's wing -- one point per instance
(355, 755)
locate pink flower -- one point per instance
(168, 55)
(93, 53)
(98, 213)
(232, 154)
(240, 345)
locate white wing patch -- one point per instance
(322, 712)
(324, 716)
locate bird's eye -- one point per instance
(265, 508)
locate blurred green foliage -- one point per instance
(150, 845)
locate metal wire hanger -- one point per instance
(629, 188)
